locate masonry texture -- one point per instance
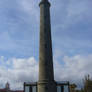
(46, 81)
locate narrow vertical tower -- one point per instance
(46, 81)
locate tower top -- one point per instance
(7, 86)
(44, 2)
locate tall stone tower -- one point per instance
(46, 81)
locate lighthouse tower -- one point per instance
(46, 81)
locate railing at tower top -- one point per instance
(62, 86)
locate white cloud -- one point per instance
(19, 71)
(74, 69)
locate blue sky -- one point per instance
(19, 38)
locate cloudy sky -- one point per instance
(19, 37)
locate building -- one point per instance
(7, 89)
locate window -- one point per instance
(27, 89)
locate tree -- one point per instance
(87, 84)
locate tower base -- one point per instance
(47, 86)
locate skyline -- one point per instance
(19, 36)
